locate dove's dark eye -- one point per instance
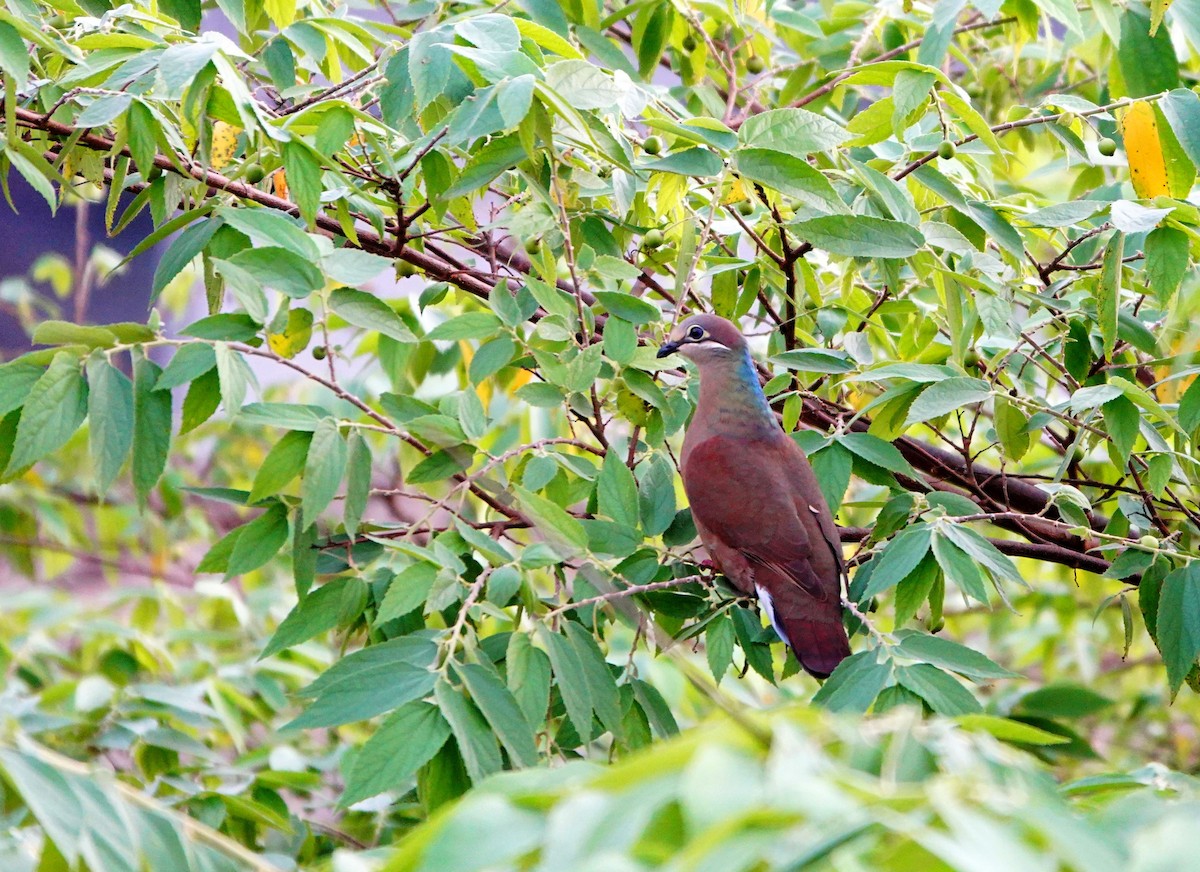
(696, 333)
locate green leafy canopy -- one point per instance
(398, 512)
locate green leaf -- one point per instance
(470, 325)
(369, 312)
(1147, 63)
(203, 397)
(960, 569)
(898, 559)
(860, 236)
(183, 251)
(616, 491)
(1008, 730)
(487, 163)
(1010, 423)
(948, 654)
(235, 376)
(16, 381)
(103, 110)
(571, 680)
(1179, 623)
(528, 674)
(369, 682)
(796, 132)
(186, 12)
(151, 429)
(875, 450)
(270, 229)
(358, 481)
(946, 396)
(505, 305)
(628, 307)
(503, 584)
(54, 409)
(1182, 110)
(189, 362)
(854, 684)
(984, 552)
(1067, 214)
(67, 333)
(303, 168)
(283, 463)
(1062, 701)
(602, 688)
(36, 171)
(1167, 261)
(813, 360)
(110, 420)
(291, 416)
(439, 466)
(260, 540)
(656, 495)
(227, 327)
(1108, 291)
(697, 162)
(793, 177)
(561, 531)
(281, 269)
(404, 742)
(1123, 421)
(323, 470)
(408, 590)
(331, 605)
(718, 646)
(476, 742)
(915, 589)
(541, 395)
(832, 465)
(503, 714)
(14, 56)
(490, 358)
(942, 692)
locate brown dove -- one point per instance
(755, 499)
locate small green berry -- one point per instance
(532, 245)
(652, 145)
(689, 43)
(745, 207)
(255, 173)
(1107, 147)
(755, 65)
(653, 239)
(319, 352)
(947, 150)
(1150, 542)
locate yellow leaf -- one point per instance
(295, 335)
(1158, 8)
(281, 12)
(224, 144)
(1147, 165)
(279, 177)
(735, 194)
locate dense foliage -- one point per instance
(385, 491)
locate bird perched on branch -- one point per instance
(755, 499)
